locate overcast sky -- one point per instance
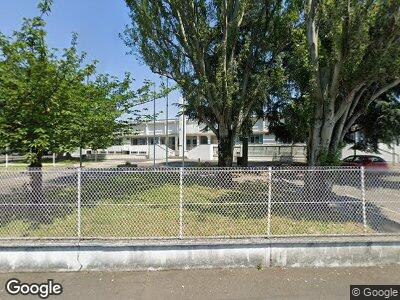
(98, 24)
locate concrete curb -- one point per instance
(161, 255)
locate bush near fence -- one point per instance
(198, 203)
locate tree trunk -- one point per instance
(313, 146)
(324, 142)
(338, 132)
(318, 145)
(320, 152)
(226, 140)
(36, 179)
(245, 151)
(225, 152)
(37, 212)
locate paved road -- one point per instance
(273, 283)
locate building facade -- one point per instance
(182, 137)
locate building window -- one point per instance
(256, 139)
(118, 142)
(171, 143)
(152, 140)
(203, 140)
(138, 141)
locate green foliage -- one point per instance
(48, 103)
(344, 56)
(291, 124)
(45, 6)
(227, 57)
(331, 159)
(388, 121)
(35, 88)
(381, 123)
(92, 118)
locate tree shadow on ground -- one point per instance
(292, 198)
(245, 195)
(58, 195)
(383, 179)
(38, 203)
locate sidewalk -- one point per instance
(294, 283)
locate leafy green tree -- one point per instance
(47, 103)
(353, 51)
(380, 124)
(290, 123)
(224, 55)
(35, 87)
(94, 116)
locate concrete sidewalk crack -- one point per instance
(77, 257)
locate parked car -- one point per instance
(368, 161)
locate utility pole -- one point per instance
(394, 154)
(80, 151)
(166, 128)
(184, 135)
(154, 125)
(81, 142)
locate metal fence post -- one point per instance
(6, 160)
(54, 159)
(181, 202)
(362, 170)
(269, 201)
(79, 203)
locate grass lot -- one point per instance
(147, 205)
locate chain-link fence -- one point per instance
(198, 203)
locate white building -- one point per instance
(196, 143)
(187, 137)
(182, 137)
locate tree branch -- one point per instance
(348, 101)
(312, 40)
(383, 90)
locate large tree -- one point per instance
(43, 96)
(353, 51)
(48, 103)
(224, 55)
(36, 86)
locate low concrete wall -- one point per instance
(157, 255)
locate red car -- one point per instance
(368, 161)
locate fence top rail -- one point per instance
(199, 169)
(196, 169)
